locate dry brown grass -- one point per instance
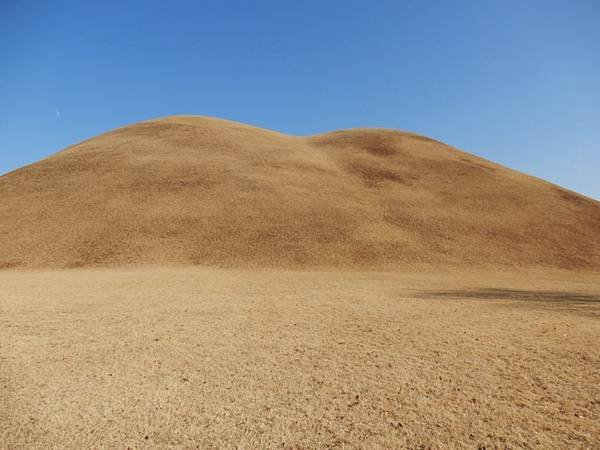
(196, 190)
(207, 358)
(352, 349)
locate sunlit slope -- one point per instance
(197, 190)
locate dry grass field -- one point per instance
(191, 282)
(208, 358)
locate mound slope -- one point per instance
(197, 190)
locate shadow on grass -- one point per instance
(514, 294)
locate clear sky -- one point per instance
(517, 82)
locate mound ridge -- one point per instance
(204, 191)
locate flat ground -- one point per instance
(186, 358)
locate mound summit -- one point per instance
(204, 191)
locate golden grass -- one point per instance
(207, 358)
(494, 343)
(203, 191)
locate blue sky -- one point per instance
(517, 82)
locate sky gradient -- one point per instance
(515, 82)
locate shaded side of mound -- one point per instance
(196, 190)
